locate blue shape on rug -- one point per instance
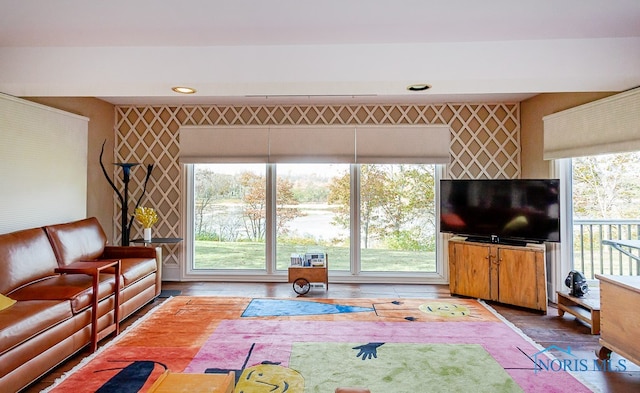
(289, 308)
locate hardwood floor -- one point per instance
(546, 330)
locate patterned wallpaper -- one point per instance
(485, 143)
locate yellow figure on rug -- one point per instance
(271, 378)
(445, 309)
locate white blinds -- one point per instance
(399, 145)
(312, 144)
(224, 144)
(43, 165)
(610, 125)
(424, 144)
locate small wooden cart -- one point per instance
(302, 276)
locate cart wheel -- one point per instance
(604, 353)
(301, 286)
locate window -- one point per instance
(373, 220)
(310, 215)
(229, 216)
(605, 199)
(397, 218)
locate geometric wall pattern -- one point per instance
(485, 143)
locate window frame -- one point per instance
(271, 274)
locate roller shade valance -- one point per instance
(424, 144)
(427, 144)
(609, 125)
(224, 144)
(312, 144)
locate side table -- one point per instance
(160, 241)
(94, 268)
(586, 308)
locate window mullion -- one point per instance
(270, 235)
(355, 264)
(189, 203)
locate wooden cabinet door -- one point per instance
(522, 278)
(469, 270)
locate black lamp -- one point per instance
(124, 197)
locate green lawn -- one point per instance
(248, 255)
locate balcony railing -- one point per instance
(591, 257)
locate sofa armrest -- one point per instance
(119, 252)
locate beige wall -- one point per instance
(101, 126)
(485, 144)
(532, 129)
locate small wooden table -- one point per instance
(158, 241)
(94, 268)
(586, 308)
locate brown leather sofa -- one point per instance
(51, 318)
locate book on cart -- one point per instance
(309, 260)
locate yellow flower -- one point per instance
(146, 216)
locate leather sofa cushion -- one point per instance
(76, 288)
(133, 269)
(26, 319)
(26, 256)
(82, 240)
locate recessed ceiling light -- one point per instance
(183, 90)
(418, 87)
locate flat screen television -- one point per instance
(501, 211)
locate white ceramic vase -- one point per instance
(147, 234)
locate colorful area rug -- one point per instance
(316, 345)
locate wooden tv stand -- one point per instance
(508, 274)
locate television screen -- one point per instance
(523, 210)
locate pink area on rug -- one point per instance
(229, 346)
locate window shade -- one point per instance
(224, 144)
(426, 144)
(312, 144)
(610, 125)
(43, 165)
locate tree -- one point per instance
(373, 197)
(606, 186)
(285, 200)
(408, 216)
(254, 205)
(209, 187)
(254, 201)
(396, 201)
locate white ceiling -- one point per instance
(275, 51)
